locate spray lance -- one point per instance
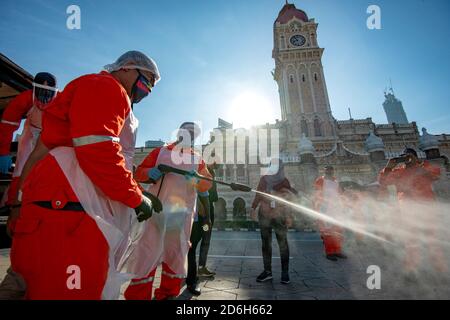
(234, 186)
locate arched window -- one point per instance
(240, 171)
(303, 78)
(229, 173)
(304, 127)
(282, 43)
(315, 77)
(220, 209)
(317, 129)
(291, 78)
(239, 211)
(219, 172)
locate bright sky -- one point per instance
(215, 56)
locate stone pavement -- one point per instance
(4, 262)
(236, 258)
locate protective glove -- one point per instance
(155, 174)
(145, 210)
(157, 205)
(206, 225)
(190, 176)
(5, 163)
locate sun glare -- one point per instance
(250, 108)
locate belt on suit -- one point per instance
(70, 206)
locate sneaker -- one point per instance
(331, 257)
(194, 289)
(264, 276)
(340, 255)
(204, 272)
(285, 278)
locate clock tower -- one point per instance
(304, 101)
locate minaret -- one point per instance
(307, 167)
(300, 77)
(374, 145)
(394, 108)
(429, 144)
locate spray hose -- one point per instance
(305, 210)
(234, 186)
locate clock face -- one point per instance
(298, 40)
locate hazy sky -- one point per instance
(215, 56)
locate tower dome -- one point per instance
(374, 143)
(305, 146)
(428, 141)
(288, 12)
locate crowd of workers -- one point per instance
(77, 203)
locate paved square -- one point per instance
(236, 258)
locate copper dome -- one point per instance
(288, 12)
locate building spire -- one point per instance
(390, 86)
(393, 108)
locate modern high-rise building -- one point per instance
(154, 143)
(394, 109)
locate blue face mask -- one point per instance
(141, 88)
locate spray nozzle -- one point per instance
(240, 187)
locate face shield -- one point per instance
(274, 167)
(409, 156)
(188, 132)
(43, 95)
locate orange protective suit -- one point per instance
(327, 201)
(81, 129)
(165, 236)
(20, 107)
(414, 182)
(415, 192)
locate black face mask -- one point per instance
(41, 81)
(42, 96)
(141, 88)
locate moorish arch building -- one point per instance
(310, 137)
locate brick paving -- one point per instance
(236, 258)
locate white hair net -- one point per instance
(135, 60)
(187, 126)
